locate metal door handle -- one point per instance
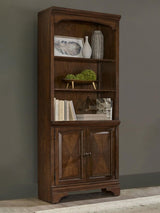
(87, 154)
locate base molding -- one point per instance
(60, 191)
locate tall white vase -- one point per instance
(97, 43)
(87, 51)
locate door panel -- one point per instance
(69, 149)
(101, 147)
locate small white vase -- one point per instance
(87, 51)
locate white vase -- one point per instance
(87, 51)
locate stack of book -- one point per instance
(91, 117)
(64, 110)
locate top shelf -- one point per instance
(87, 60)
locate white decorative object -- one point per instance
(97, 43)
(68, 46)
(104, 106)
(87, 51)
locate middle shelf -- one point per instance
(83, 90)
(87, 60)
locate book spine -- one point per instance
(61, 110)
(56, 107)
(67, 111)
(62, 114)
(72, 111)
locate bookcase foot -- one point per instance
(103, 190)
(57, 196)
(115, 191)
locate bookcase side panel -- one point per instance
(44, 107)
(116, 112)
(117, 71)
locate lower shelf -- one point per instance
(107, 123)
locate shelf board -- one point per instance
(87, 60)
(106, 123)
(83, 90)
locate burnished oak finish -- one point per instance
(76, 155)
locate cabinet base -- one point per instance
(61, 191)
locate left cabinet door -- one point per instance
(69, 161)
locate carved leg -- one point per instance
(57, 196)
(67, 86)
(72, 84)
(94, 86)
(115, 191)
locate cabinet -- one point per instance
(69, 147)
(82, 154)
(101, 145)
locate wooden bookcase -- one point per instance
(76, 155)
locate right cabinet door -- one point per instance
(101, 157)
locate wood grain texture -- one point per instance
(69, 147)
(99, 163)
(76, 155)
(85, 13)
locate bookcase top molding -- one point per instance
(66, 14)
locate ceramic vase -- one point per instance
(97, 43)
(87, 51)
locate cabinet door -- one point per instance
(101, 149)
(69, 155)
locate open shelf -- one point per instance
(87, 60)
(83, 90)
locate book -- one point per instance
(56, 109)
(61, 110)
(67, 111)
(72, 111)
(92, 117)
(64, 110)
